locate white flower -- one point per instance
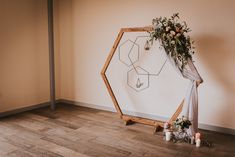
(165, 23)
(167, 29)
(159, 25)
(172, 32)
(173, 42)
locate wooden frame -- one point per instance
(128, 118)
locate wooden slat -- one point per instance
(138, 29)
(108, 60)
(110, 56)
(177, 112)
(143, 120)
(112, 95)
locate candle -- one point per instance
(168, 136)
(198, 142)
(198, 135)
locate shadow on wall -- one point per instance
(64, 45)
(217, 54)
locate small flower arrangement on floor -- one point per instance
(179, 127)
(177, 132)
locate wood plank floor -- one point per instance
(82, 132)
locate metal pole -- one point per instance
(51, 53)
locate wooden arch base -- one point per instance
(128, 118)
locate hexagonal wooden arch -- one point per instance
(128, 118)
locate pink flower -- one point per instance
(167, 29)
(177, 29)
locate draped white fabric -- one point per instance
(190, 107)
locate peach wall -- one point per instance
(87, 30)
(24, 73)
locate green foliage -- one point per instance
(173, 35)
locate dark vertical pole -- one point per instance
(51, 53)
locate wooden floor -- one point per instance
(81, 132)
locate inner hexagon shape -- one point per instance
(138, 78)
(128, 52)
(152, 60)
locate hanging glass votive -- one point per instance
(147, 46)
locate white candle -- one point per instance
(168, 136)
(198, 142)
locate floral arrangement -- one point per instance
(182, 123)
(174, 37)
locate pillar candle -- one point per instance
(168, 136)
(198, 142)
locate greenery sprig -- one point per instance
(174, 37)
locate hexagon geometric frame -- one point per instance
(142, 85)
(132, 61)
(129, 119)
